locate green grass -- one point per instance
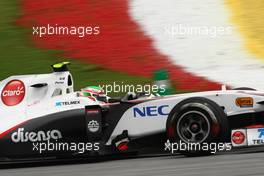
(19, 56)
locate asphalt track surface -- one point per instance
(228, 164)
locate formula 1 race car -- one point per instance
(41, 116)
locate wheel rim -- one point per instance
(193, 127)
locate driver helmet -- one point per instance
(95, 93)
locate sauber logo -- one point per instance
(13, 93)
(40, 136)
(93, 126)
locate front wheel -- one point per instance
(196, 122)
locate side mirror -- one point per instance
(39, 85)
(114, 100)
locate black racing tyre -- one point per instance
(244, 88)
(197, 120)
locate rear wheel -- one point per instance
(197, 121)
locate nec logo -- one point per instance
(151, 111)
(261, 132)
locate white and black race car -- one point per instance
(41, 116)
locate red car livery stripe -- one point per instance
(11, 129)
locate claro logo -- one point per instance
(40, 136)
(13, 93)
